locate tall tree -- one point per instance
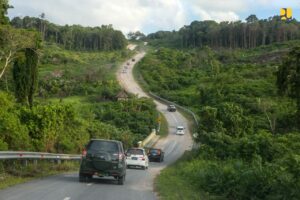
(288, 78)
(32, 64)
(13, 40)
(75, 37)
(20, 76)
(252, 19)
(4, 6)
(42, 25)
(25, 73)
(136, 35)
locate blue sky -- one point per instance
(148, 15)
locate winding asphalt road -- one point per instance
(139, 183)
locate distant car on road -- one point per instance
(103, 158)
(133, 60)
(171, 108)
(180, 130)
(156, 155)
(137, 157)
(128, 63)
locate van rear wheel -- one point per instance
(82, 177)
(121, 180)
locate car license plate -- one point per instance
(134, 158)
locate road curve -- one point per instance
(139, 183)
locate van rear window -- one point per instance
(135, 151)
(103, 146)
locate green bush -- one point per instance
(248, 135)
(13, 134)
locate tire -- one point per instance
(143, 167)
(82, 177)
(121, 180)
(90, 177)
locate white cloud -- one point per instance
(217, 10)
(166, 14)
(221, 5)
(127, 16)
(145, 15)
(276, 4)
(217, 16)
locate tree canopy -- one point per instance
(238, 34)
(4, 6)
(288, 77)
(74, 37)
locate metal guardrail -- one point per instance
(178, 106)
(10, 155)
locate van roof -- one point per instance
(93, 139)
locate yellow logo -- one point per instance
(286, 13)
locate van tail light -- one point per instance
(142, 158)
(118, 156)
(84, 152)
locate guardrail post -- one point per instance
(25, 162)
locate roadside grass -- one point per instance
(15, 172)
(139, 78)
(164, 126)
(7, 180)
(171, 185)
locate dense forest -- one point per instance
(74, 37)
(248, 105)
(58, 88)
(238, 34)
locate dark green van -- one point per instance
(103, 158)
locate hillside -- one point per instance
(251, 33)
(56, 94)
(248, 132)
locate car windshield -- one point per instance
(135, 151)
(95, 145)
(154, 151)
(179, 128)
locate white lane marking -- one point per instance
(174, 118)
(67, 198)
(170, 148)
(89, 184)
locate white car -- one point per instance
(137, 157)
(180, 130)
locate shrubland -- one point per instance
(248, 133)
(58, 87)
